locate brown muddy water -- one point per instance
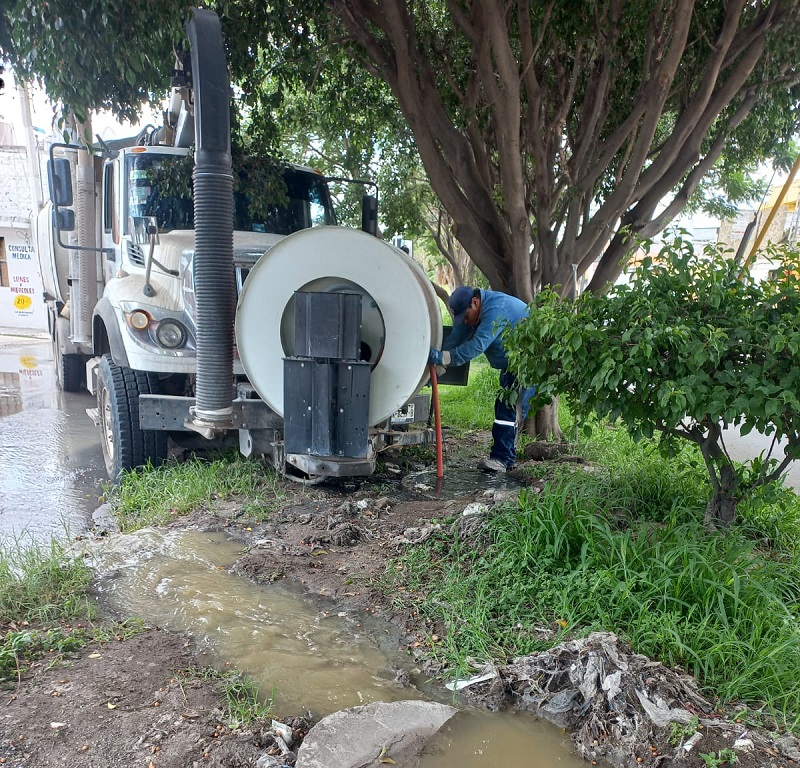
(457, 482)
(306, 655)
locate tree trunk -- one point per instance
(721, 508)
(543, 425)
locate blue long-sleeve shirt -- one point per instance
(466, 342)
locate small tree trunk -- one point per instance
(721, 508)
(543, 425)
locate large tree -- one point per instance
(554, 132)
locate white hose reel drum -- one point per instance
(400, 313)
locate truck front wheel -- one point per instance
(125, 445)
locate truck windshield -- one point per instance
(307, 202)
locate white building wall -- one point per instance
(21, 302)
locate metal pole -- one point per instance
(773, 213)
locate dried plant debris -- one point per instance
(609, 699)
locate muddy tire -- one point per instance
(125, 445)
(70, 367)
(69, 372)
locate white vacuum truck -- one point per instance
(319, 361)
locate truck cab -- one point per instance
(148, 273)
(142, 304)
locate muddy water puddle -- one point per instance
(457, 482)
(499, 741)
(305, 656)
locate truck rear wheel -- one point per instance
(125, 445)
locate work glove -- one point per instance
(439, 358)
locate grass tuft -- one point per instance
(42, 582)
(243, 703)
(157, 496)
(45, 610)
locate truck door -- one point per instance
(111, 219)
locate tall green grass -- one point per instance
(156, 496)
(41, 582)
(471, 407)
(40, 585)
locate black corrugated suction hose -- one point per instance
(215, 292)
(215, 289)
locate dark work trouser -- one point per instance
(508, 420)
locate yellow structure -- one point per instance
(785, 201)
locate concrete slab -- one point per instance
(357, 737)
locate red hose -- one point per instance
(438, 416)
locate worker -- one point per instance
(479, 317)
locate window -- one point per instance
(307, 204)
(146, 199)
(3, 264)
(108, 197)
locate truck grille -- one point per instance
(135, 254)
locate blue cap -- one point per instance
(459, 302)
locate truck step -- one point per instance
(94, 415)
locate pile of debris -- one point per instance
(609, 699)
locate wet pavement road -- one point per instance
(51, 464)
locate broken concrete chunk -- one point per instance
(354, 737)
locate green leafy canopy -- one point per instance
(108, 54)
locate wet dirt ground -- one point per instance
(126, 703)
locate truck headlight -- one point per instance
(139, 320)
(170, 334)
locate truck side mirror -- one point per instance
(59, 181)
(64, 220)
(369, 214)
(142, 227)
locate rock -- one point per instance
(476, 508)
(497, 496)
(416, 535)
(103, 519)
(789, 746)
(357, 737)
